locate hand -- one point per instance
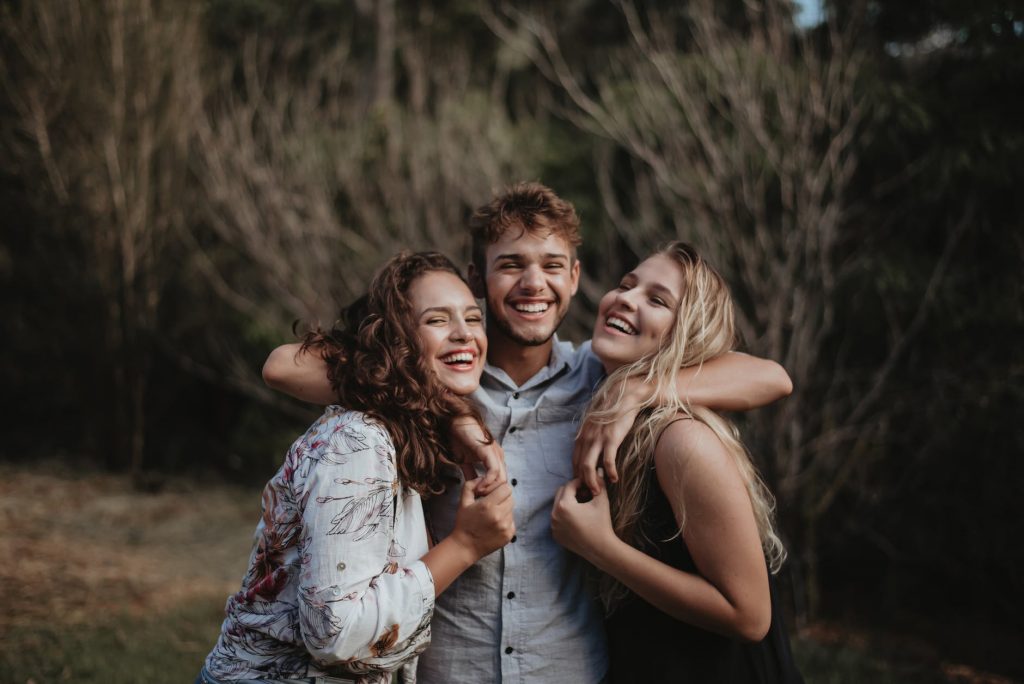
(469, 441)
(484, 524)
(581, 527)
(597, 444)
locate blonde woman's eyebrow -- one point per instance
(664, 292)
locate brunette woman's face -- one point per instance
(634, 318)
(450, 329)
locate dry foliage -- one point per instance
(83, 550)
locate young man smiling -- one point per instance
(523, 614)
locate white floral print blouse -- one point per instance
(334, 585)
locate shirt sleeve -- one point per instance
(358, 607)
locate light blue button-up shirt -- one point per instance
(524, 613)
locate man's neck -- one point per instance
(519, 361)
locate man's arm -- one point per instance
(300, 374)
(730, 382)
(303, 375)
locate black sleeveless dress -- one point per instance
(647, 645)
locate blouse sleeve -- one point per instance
(358, 606)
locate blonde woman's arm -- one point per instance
(730, 594)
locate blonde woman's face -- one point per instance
(450, 328)
(634, 318)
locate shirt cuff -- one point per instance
(421, 573)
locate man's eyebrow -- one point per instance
(519, 257)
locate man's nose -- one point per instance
(533, 279)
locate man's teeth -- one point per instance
(532, 308)
(458, 357)
(622, 325)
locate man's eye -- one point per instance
(475, 319)
(555, 266)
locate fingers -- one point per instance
(608, 461)
(468, 495)
(586, 467)
(469, 472)
(568, 490)
(500, 495)
(496, 475)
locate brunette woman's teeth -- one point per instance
(458, 357)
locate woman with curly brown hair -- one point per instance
(341, 582)
(684, 535)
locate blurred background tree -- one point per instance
(183, 180)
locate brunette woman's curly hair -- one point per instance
(375, 365)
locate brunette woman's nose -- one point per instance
(460, 332)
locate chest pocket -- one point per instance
(558, 426)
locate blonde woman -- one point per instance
(684, 535)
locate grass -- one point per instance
(169, 647)
(107, 584)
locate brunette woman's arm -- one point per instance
(482, 525)
(730, 594)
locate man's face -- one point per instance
(529, 280)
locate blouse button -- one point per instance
(336, 591)
(341, 566)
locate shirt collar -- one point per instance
(560, 360)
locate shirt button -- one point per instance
(512, 429)
(510, 595)
(514, 482)
(341, 566)
(515, 395)
(509, 649)
(514, 537)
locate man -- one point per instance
(524, 614)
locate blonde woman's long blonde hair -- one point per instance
(704, 329)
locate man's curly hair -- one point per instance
(375, 365)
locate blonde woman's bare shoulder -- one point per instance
(689, 448)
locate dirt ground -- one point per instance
(79, 548)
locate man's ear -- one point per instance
(575, 275)
(476, 282)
